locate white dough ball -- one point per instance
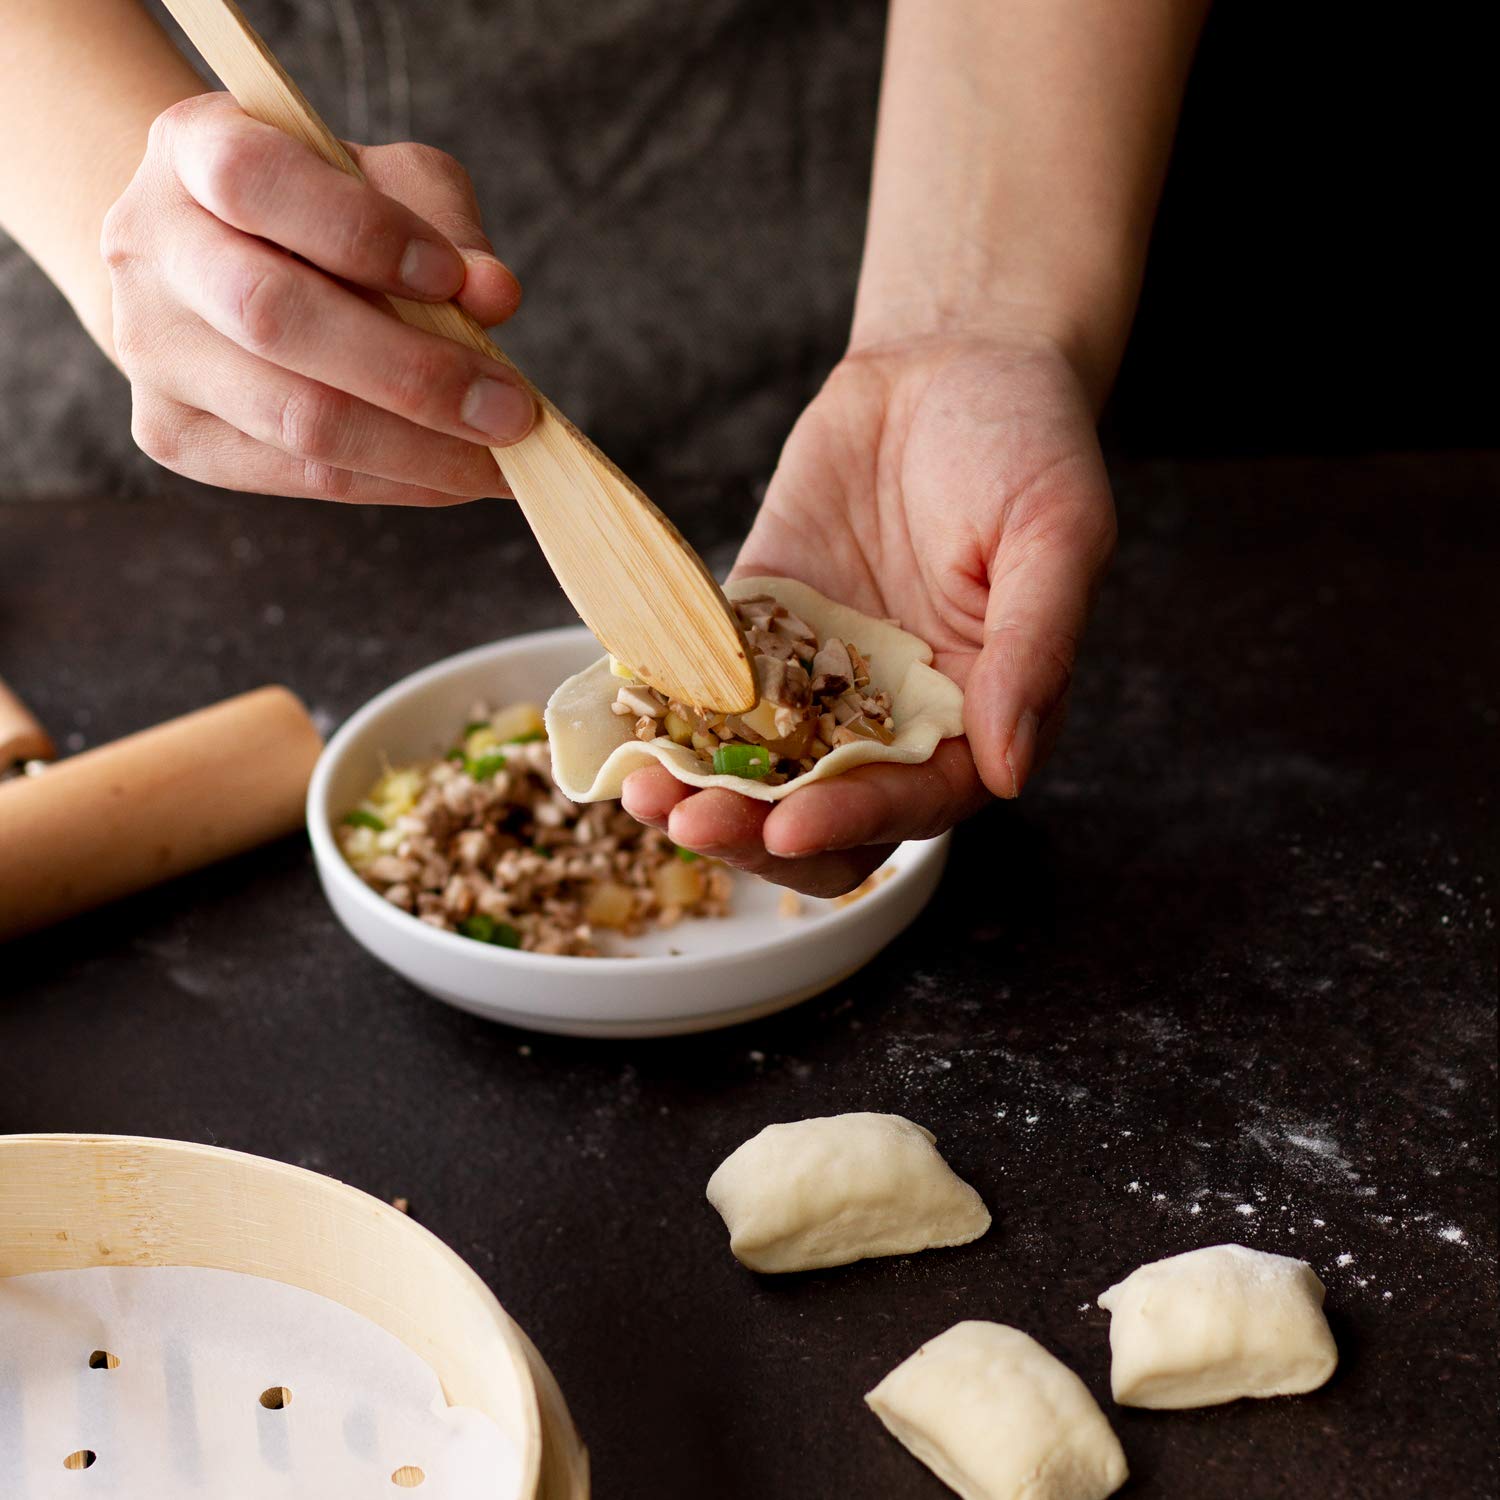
(996, 1417)
(827, 1191)
(1217, 1324)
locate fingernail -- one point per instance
(501, 411)
(1021, 751)
(794, 849)
(428, 269)
(474, 258)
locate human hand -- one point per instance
(244, 270)
(956, 486)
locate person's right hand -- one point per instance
(242, 268)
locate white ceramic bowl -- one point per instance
(698, 975)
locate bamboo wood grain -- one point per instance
(68, 1202)
(626, 568)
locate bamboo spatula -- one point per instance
(627, 570)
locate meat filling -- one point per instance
(484, 844)
(814, 696)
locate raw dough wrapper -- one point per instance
(594, 750)
(996, 1417)
(1217, 1324)
(824, 1192)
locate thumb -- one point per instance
(431, 183)
(1042, 581)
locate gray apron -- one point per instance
(679, 184)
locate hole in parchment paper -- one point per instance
(102, 1359)
(409, 1476)
(275, 1397)
(80, 1460)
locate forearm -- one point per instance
(82, 81)
(1020, 154)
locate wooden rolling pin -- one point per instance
(150, 807)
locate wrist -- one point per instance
(66, 162)
(1088, 333)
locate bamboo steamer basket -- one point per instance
(70, 1202)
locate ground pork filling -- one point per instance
(482, 843)
(814, 696)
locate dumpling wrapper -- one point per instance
(997, 1417)
(805, 1194)
(1216, 1324)
(594, 750)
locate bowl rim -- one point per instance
(332, 865)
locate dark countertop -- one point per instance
(1228, 973)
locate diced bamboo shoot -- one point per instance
(610, 905)
(761, 720)
(679, 884)
(520, 719)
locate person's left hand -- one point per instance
(956, 486)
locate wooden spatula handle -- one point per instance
(627, 570)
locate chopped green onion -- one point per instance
(483, 767)
(359, 818)
(530, 737)
(687, 856)
(456, 753)
(752, 761)
(485, 929)
(474, 724)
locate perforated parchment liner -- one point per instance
(594, 750)
(160, 1383)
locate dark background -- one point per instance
(681, 186)
(1227, 972)
(1313, 285)
(1236, 951)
